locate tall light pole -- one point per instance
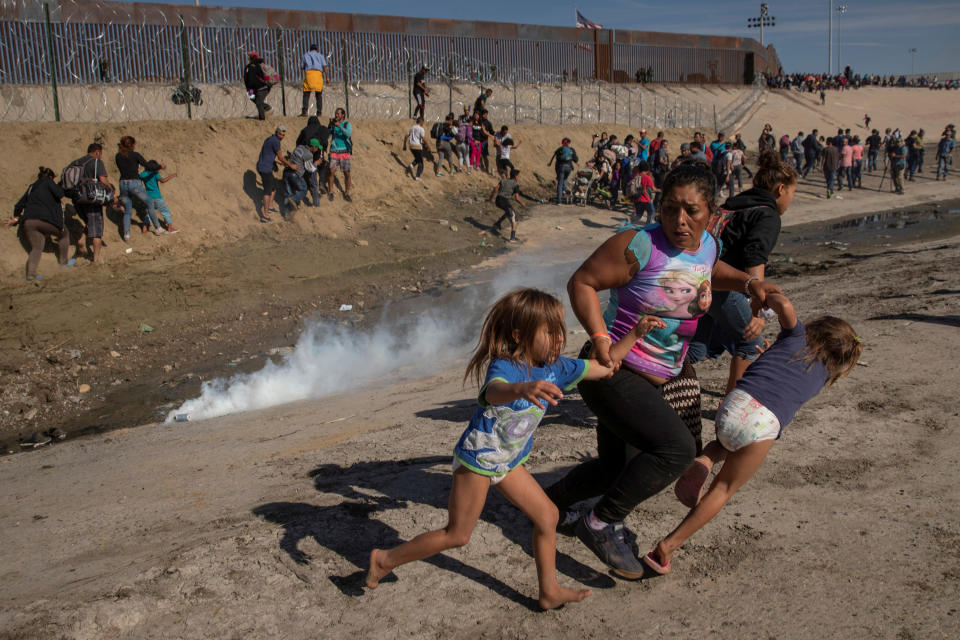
(765, 20)
(913, 52)
(841, 9)
(830, 37)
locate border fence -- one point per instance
(76, 60)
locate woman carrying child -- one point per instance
(520, 345)
(803, 361)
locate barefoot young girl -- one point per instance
(800, 363)
(520, 346)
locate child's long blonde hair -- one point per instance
(522, 311)
(833, 342)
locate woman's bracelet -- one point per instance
(746, 285)
(605, 336)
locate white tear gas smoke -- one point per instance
(329, 358)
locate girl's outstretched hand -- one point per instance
(538, 392)
(759, 290)
(648, 324)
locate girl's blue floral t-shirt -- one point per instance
(499, 437)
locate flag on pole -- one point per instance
(583, 23)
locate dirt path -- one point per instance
(259, 524)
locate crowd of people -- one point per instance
(686, 280)
(815, 82)
(39, 214)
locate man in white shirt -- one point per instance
(417, 139)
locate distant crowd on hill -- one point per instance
(813, 82)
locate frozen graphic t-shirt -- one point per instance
(672, 284)
(499, 437)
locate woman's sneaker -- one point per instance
(609, 545)
(567, 524)
(171, 229)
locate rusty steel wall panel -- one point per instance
(142, 41)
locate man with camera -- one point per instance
(341, 146)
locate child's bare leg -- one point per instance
(738, 468)
(520, 488)
(689, 486)
(467, 496)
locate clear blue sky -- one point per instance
(875, 34)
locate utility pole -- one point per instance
(841, 9)
(765, 20)
(913, 52)
(830, 37)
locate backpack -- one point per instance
(719, 221)
(72, 176)
(566, 154)
(632, 190)
(436, 130)
(719, 164)
(270, 76)
(620, 150)
(785, 141)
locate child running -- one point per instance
(792, 371)
(506, 190)
(520, 345)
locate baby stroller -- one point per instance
(583, 184)
(600, 187)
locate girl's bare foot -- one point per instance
(376, 571)
(561, 596)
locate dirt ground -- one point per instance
(258, 524)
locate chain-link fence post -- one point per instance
(629, 107)
(51, 67)
(283, 88)
(514, 96)
(346, 77)
(561, 99)
(185, 83)
(539, 103)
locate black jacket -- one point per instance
(253, 75)
(41, 202)
(751, 235)
(314, 130)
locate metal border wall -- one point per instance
(142, 42)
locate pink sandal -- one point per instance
(651, 561)
(689, 488)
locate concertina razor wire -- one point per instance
(163, 66)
